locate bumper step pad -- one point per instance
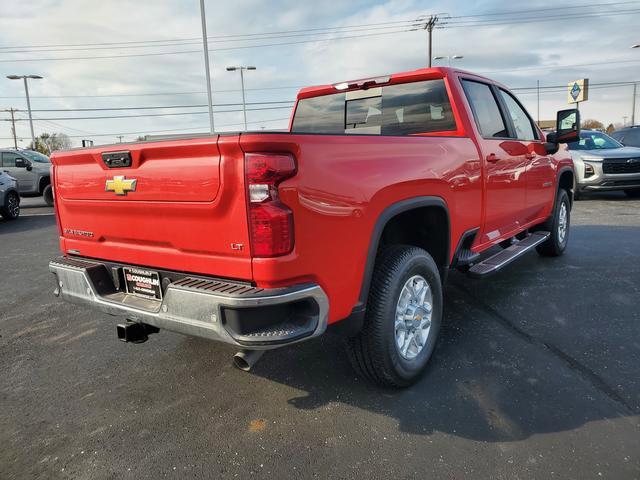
(199, 306)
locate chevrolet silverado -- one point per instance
(350, 220)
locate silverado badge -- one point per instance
(120, 185)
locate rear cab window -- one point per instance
(400, 109)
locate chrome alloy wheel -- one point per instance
(13, 205)
(563, 223)
(413, 317)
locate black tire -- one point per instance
(374, 353)
(47, 194)
(577, 194)
(11, 208)
(556, 244)
(632, 193)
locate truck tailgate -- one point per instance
(180, 205)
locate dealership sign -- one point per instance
(578, 91)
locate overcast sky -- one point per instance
(517, 50)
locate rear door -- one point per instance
(25, 177)
(175, 204)
(504, 163)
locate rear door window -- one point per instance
(403, 109)
(632, 137)
(9, 159)
(485, 109)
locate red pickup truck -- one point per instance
(352, 218)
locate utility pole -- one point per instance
(120, 137)
(13, 127)
(633, 105)
(538, 92)
(433, 19)
(205, 44)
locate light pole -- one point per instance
(244, 104)
(448, 57)
(26, 90)
(633, 102)
(207, 72)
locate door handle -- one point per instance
(493, 158)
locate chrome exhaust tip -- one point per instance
(246, 359)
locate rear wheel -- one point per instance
(47, 194)
(633, 193)
(11, 208)
(404, 314)
(558, 225)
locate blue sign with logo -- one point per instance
(575, 91)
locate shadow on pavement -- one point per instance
(497, 376)
(26, 223)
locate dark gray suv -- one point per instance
(9, 197)
(31, 169)
(628, 136)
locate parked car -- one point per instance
(629, 136)
(9, 196)
(604, 164)
(31, 169)
(352, 219)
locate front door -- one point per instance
(540, 172)
(504, 162)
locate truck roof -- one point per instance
(389, 79)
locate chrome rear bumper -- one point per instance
(201, 307)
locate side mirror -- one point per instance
(551, 147)
(567, 126)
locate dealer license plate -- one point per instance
(145, 283)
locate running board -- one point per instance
(508, 255)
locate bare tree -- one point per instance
(591, 124)
(47, 143)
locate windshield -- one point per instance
(35, 156)
(594, 141)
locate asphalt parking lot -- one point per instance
(537, 375)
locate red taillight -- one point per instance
(270, 221)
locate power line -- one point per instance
(549, 18)
(194, 42)
(292, 87)
(213, 37)
(542, 67)
(170, 130)
(553, 9)
(98, 109)
(415, 28)
(200, 51)
(306, 31)
(140, 115)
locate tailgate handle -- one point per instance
(117, 159)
